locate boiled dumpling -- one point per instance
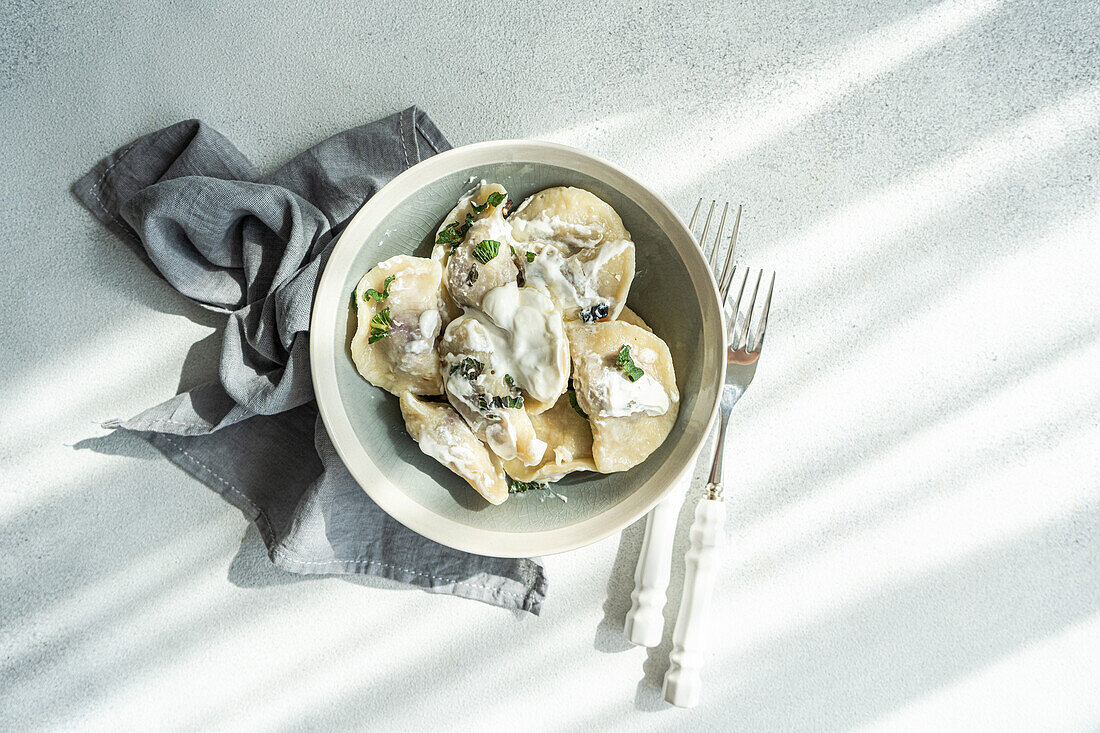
(398, 320)
(591, 285)
(482, 259)
(467, 205)
(568, 441)
(443, 435)
(576, 249)
(569, 217)
(523, 331)
(511, 355)
(629, 419)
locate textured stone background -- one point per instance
(915, 480)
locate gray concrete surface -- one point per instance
(916, 489)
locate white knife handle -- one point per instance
(645, 621)
(689, 638)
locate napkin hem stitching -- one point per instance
(286, 557)
(401, 135)
(248, 502)
(98, 186)
(427, 138)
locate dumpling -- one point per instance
(528, 329)
(568, 217)
(568, 441)
(398, 321)
(590, 285)
(628, 316)
(523, 332)
(629, 419)
(482, 260)
(468, 204)
(443, 435)
(576, 249)
(500, 360)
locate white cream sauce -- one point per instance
(556, 229)
(523, 332)
(452, 453)
(427, 330)
(617, 396)
(571, 280)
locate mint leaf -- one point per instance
(372, 293)
(380, 326)
(627, 366)
(486, 250)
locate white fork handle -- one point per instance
(645, 621)
(689, 639)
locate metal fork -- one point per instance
(744, 339)
(645, 622)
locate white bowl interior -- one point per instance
(365, 421)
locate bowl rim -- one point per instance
(329, 296)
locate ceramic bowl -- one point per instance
(672, 291)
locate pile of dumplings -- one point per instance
(511, 349)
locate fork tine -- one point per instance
(718, 239)
(695, 216)
(706, 228)
(743, 329)
(758, 337)
(736, 304)
(727, 269)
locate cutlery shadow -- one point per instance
(609, 632)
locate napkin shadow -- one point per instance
(118, 443)
(201, 363)
(145, 285)
(609, 632)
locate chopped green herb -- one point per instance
(372, 293)
(513, 250)
(469, 368)
(530, 256)
(509, 381)
(575, 405)
(518, 487)
(449, 234)
(482, 403)
(627, 366)
(486, 250)
(379, 326)
(495, 198)
(513, 402)
(471, 278)
(454, 232)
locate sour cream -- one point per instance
(554, 228)
(571, 281)
(453, 453)
(428, 328)
(523, 332)
(617, 396)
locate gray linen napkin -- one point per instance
(196, 210)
